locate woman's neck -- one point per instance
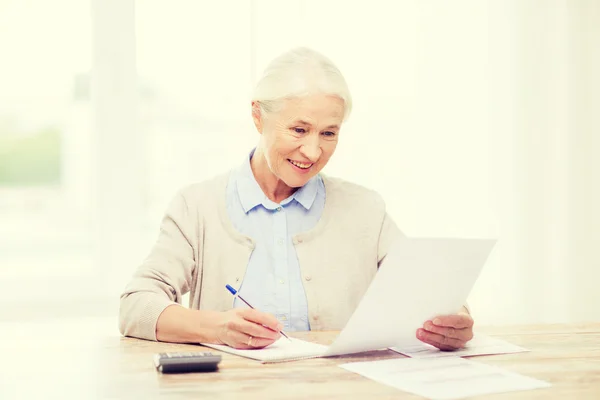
(273, 187)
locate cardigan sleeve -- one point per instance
(164, 276)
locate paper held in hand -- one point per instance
(419, 279)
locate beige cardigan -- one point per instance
(199, 251)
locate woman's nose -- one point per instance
(311, 149)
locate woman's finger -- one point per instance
(242, 341)
(439, 345)
(438, 340)
(255, 330)
(259, 343)
(261, 318)
(465, 334)
(457, 321)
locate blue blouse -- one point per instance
(273, 282)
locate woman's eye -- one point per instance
(299, 130)
(329, 133)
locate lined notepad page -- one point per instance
(281, 350)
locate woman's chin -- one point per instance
(296, 178)
(296, 181)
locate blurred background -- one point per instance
(472, 118)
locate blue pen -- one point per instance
(235, 293)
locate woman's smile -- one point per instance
(300, 167)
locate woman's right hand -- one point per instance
(246, 328)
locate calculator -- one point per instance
(175, 363)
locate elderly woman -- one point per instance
(300, 246)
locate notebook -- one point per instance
(282, 350)
(419, 279)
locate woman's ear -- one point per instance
(257, 116)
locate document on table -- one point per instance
(419, 279)
(480, 345)
(443, 378)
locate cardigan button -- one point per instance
(308, 277)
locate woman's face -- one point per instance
(299, 138)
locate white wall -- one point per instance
(472, 119)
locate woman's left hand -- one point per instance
(447, 332)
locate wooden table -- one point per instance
(86, 359)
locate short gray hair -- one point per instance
(300, 72)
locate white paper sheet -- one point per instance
(443, 378)
(418, 280)
(480, 345)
